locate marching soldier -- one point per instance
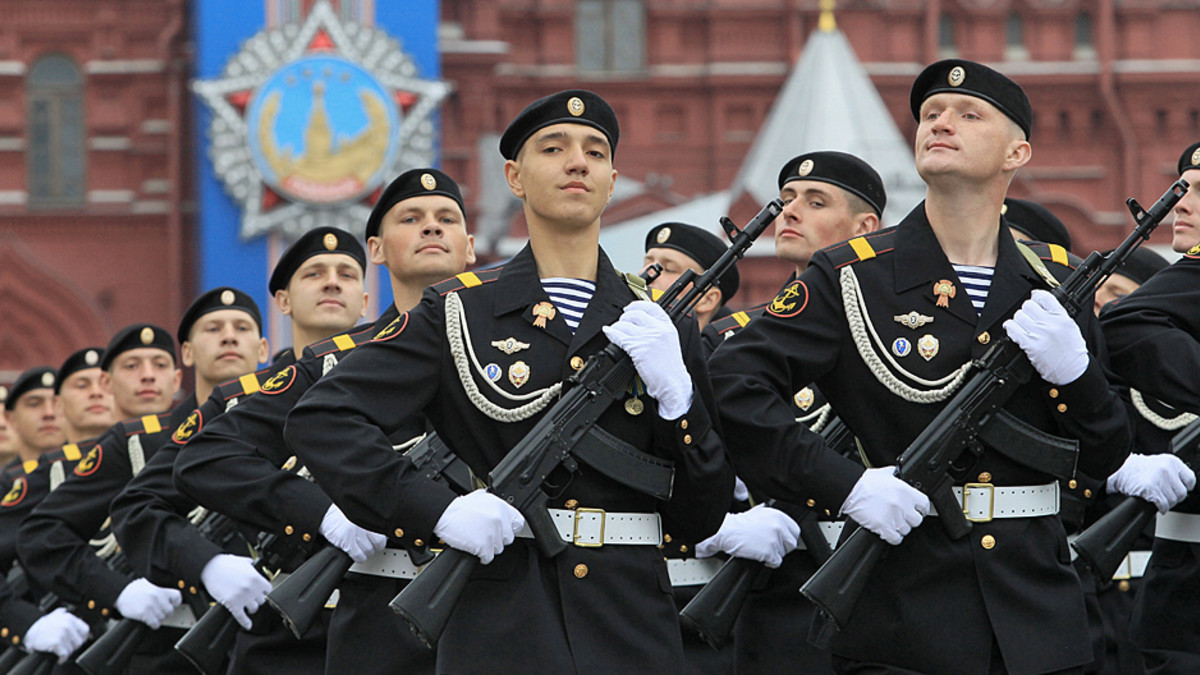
(886, 327)
(30, 412)
(1154, 338)
(678, 247)
(85, 405)
(602, 608)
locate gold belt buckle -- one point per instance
(991, 510)
(575, 533)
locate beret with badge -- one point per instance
(958, 76)
(412, 183)
(1190, 159)
(702, 246)
(837, 168)
(222, 297)
(137, 336)
(41, 377)
(1035, 221)
(317, 241)
(573, 106)
(88, 357)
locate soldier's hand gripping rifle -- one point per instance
(1104, 545)
(564, 436)
(966, 421)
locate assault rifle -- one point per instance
(564, 436)
(961, 425)
(1104, 545)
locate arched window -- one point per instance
(55, 155)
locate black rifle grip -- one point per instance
(427, 602)
(35, 663)
(300, 598)
(110, 653)
(206, 643)
(838, 584)
(714, 610)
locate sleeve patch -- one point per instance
(791, 300)
(90, 462)
(249, 383)
(393, 329)
(16, 494)
(188, 427)
(280, 382)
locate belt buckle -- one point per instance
(991, 509)
(575, 533)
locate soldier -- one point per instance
(678, 247)
(31, 414)
(318, 284)
(1154, 338)
(417, 230)
(220, 337)
(1030, 221)
(1004, 598)
(603, 608)
(84, 404)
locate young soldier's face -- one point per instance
(142, 381)
(1115, 287)
(325, 294)
(423, 240)
(84, 403)
(674, 263)
(965, 137)
(815, 215)
(35, 421)
(564, 174)
(224, 344)
(1185, 229)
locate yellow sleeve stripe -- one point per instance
(1058, 254)
(343, 342)
(469, 280)
(249, 383)
(71, 451)
(742, 318)
(150, 422)
(861, 248)
(30, 465)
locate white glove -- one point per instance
(479, 523)
(358, 543)
(145, 602)
(59, 632)
(1050, 337)
(762, 533)
(740, 492)
(1163, 480)
(646, 334)
(886, 505)
(232, 581)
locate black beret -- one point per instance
(412, 183)
(1190, 159)
(957, 76)
(83, 359)
(841, 169)
(41, 377)
(1142, 264)
(703, 247)
(222, 297)
(1036, 221)
(314, 242)
(575, 106)
(135, 337)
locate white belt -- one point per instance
(1133, 566)
(597, 527)
(182, 617)
(831, 530)
(389, 562)
(1178, 527)
(984, 501)
(692, 571)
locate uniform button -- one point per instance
(985, 477)
(399, 533)
(1062, 407)
(104, 612)
(1053, 393)
(988, 541)
(810, 503)
(16, 639)
(577, 362)
(571, 504)
(1123, 586)
(91, 604)
(289, 530)
(192, 590)
(687, 439)
(182, 583)
(307, 537)
(683, 548)
(1087, 493)
(581, 571)
(418, 542)
(667, 538)
(683, 424)
(827, 512)
(1072, 484)
(3, 632)
(984, 338)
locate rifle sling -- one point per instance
(626, 464)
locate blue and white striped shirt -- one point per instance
(977, 281)
(570, 296)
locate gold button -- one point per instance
(1087, 493)
(581, 571)
(577, 362)
(1072, 484)
(399, 533)
(984, 338)
(810, 503)
(1123, 586)
(985, 477)
(192, 590)
(1062, 407)
(16, 639)
(418, 542)
(3, 632)
(91, 604)
(307, 537)
(683, 424)
(988, 541)
(182, 583)
(571, 504)
(827, 512)
(104, 612)
(288, 530)
(1053, 393)
(683, 548)
(687, 439)
(667, 538)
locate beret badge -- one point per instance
(957, 75)
(227, 297)
(147, 335)
(330, 241)
(575, 106)
(428, 181)
(1196, 157)
(805, 168)
(663, 235)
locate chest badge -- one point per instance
(510, 345)
(543, 312)
(492, 372)
(804, 398)
(927, 346)
(944, 290)
(914, 319)
(901, 347)
(518, 374)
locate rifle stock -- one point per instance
(35, 663)
(206, 643)
(300, 598)
(111, 652)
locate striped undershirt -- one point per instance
(570, 296)
(977, 281)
